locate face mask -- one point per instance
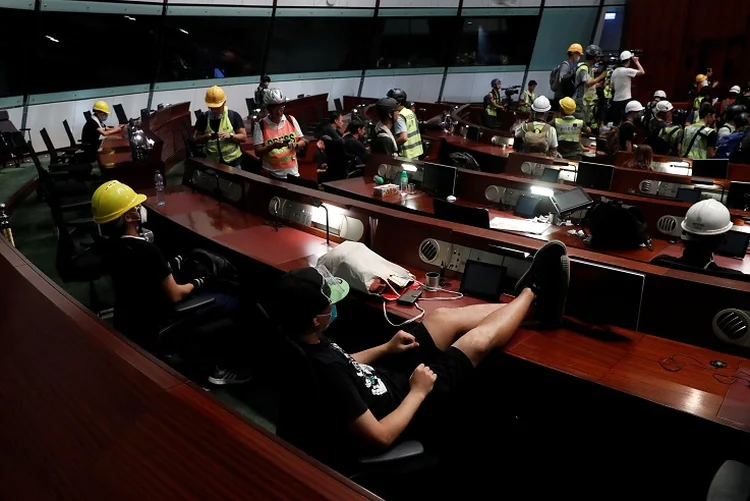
(143, 214)
(332, 316)
(104, 118)
(147, 235)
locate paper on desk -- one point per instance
(522, 225)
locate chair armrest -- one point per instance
(402, 450)
(192, 304)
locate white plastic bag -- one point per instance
(361, 267)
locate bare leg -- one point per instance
(495, 330)
(445, 325)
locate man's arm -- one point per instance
(200, 127)
(399, 131)
(176, 292)
(108, 132)
(638, 67)
(370, 355)
(595, 81)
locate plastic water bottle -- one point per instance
(404, 181)
(159, 185)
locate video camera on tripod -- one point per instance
(511, 91)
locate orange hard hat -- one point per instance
(700, 77)
(577, 48)
(215, 97)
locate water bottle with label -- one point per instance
(159, 185)
(404, 181)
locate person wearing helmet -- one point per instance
(265, 82)
(277, 137)
(627, 130)
(384, 141)
(622, 82)
(222, 130)
(536, 135)
(146, 290)
(569, 129)
(94, 129)
(648, 114)
(406, 128)
(562, 77)
(741, 154)
(527, 97)
(703, 231)
(585, 86)
(699, 140)
(492, 103)
(665, 136)
(729, 125)
(728, 145)
(731, 99)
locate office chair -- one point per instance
(87, 115)
(251, 106)
(472, 216)
(300, 419)
(339, 106)
(198, 114)
(731, 483)
(301, 181)
(341, 165)
(67, 161)
(122, 117)
(71, 138)
(13, 141)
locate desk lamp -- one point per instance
(316, 202)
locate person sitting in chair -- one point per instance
(368, 406)
(145, 288)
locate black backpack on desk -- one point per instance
(614, 225)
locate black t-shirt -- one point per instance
(627, 133)
(234, 118)
(90, 139)
(383, 145)
(354, 147)
(138, 269)
(349, 388)
(330, 131)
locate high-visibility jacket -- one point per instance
(494, 95)
(230, 151)
(699, 148)
(569, 136)
(412, 148)
(527, 98)
(284, 157)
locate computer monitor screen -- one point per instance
(473, 216)
(739, 195)
(526, 206)
(604, 295)
(596, 176)
(551, 175)
(438, 180)
(569, 201)
(122, 118)
(472, 133)
(688, 195)
(734, 244)
(712, 168)
(145, 112)
(483, 280)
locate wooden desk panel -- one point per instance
(273, 247)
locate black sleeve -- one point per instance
(200, 123)
(154, 264)
(627, 133)
(356, 148)
(236, 120)
(341, 397)
(711, 139)
(382, 145)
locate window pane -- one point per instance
(212, 47)
(13, 57)
(411, 42)
(301, 44)
(74, 51)
(492, 41)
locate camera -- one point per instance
(511, 91)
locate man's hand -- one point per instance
(422, 380)
(402, 342)
(223, 135)
(635, 59)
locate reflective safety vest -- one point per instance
(697, 103)
(699, 149)
(671, 134)
(412, 148)
(569, 129)
(607, 88)
(493, 95)
(529, 98)
(284, 157)
(230, 151)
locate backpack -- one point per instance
(613, 141)
(729, 144)
(535, 141)
(662, 143)
(565, 84)
(203, 263)
(464, 160)
(614, 225)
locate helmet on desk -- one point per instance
(567, 105)
(112, 200)
(398, 94)
(541, 104)
(101, 106)
(707, 218)
(215, 97)
(273, 97)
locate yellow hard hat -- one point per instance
(101, 106)
(577, 48)
(567, 105)
(700, 77)
(215, 97)
(113, 199)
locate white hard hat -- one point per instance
(541, 104)
(660, 94)
(735, 89)
(633, 106)
(707, 217)
(273, 96)
(663, 106)
(625, 55)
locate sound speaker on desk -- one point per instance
(731, 326)
(670, 225)
(435, 252)
(494, 193)
(649, 187)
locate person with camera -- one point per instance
(622, 82)
(493, 102)
(222, 130)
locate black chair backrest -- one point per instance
(339, 106)
(338, 161)
(122, 118)
(87, 115)
(50, 146)
(198, 114)
(69, 133)
(250, 103)
(301, 181)
(473, 216)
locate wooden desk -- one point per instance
(87, 415)
(624, 361)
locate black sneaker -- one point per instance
(549, 278)
(226, 377)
